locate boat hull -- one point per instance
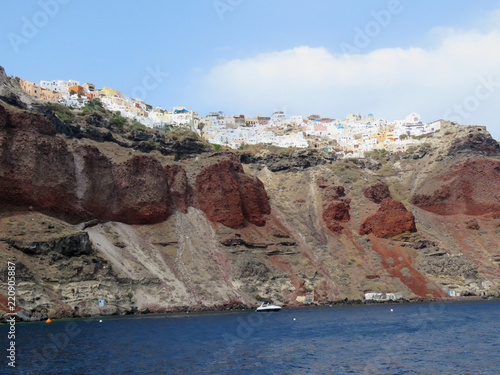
(268, 309)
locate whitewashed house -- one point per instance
(59, 85)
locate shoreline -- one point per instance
(237, 308)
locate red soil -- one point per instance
(395, 259)
(470, 188)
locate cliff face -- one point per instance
(86, 220)
(471, 188)
(377, 192)
(335, 205)
(12, 93)
(40, 170)
(37, 168)
(228, 196)
(391, 219)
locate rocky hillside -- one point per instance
(175, 225)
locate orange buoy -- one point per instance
(48, 321)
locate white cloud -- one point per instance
(388, 82)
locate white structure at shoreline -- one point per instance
(383, 296)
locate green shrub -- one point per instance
(137, 125)
(64, 113)
(243, 147)
(118, 121)
(425, 146)
(379, 155)
(387, 170)
(184, 132)
(95, 105)
(421, 136)
(346, 170)
(153, 143)
(216, 146)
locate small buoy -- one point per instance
(293, 318)
(48, 321)
(100, 321)
(392, 310)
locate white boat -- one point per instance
(266, 306)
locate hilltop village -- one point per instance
(106, 216)
(353, 135)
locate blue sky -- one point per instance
(438, 58)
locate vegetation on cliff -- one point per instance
(93, 206)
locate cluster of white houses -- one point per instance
(354, 134)
(72, 94)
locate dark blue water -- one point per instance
(437, 338)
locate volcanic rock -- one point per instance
(142, 191)
(179, 187)
(392, 218)
(470, 188)
(335, 206)
(228, 196)
(96, 183)
(71, 245)
(335, 213)
(377, 192)
(39, 170)
(477, 142)
(12, 93)
(295, 161)
(36, 168)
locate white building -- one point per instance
(74, 100)
(59, 85)
(299, 120)
(180, 116)
(278, 118)
(383, 296)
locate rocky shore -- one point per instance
(107, 220)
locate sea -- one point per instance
(416, 338)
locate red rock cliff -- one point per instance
(470, 188)
(38, 169)
(142, 191)
(335, 206)
(135, 191)
(179, 187)
(392, 218)
(228, 196)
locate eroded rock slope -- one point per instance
(87, 220)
